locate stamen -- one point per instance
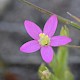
(44, 39)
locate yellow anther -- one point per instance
(41, 35)
(44, 39)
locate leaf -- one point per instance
(54, 65)
(62, 57)
(54, 78)
(64, 31)
(60, 62)
(62, 54)
(68, 75)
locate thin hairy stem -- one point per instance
(61, 19)
(76, 18)
(72, 46)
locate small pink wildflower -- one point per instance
(43, 40)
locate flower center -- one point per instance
(44, 39)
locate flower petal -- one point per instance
(32, 29)
(51, 25)
(47, 54)
(30, 46)
(60, 40)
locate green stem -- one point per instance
(74, 17)
(61, 19)
(72, 46)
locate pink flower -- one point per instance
(43, 40)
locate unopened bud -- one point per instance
(46, 74)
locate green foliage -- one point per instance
(60, 61)
(44, 73)
(61, 19)
(59, 65)
(64, 31)
(68, 75)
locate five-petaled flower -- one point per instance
(44, 40)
